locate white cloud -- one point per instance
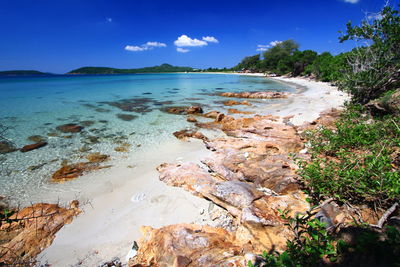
(184, 41)
(262, 47)
(135, 48)
(144, 47)
(352, 1)
(155, 44)
(210, 39)
(182, 50)
(274, 43)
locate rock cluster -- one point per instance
(251, 175)
(31, 230)
(256, 95)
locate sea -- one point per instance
(125, 111)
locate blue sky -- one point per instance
(60, 35)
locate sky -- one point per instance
(60, 35)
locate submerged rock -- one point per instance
(183, 110)
(33, 146)
(126, 117)
(31, 230)
(97, 157)
(36, 138)
(191, 119)
(70, 128)
(236, 111)
(7, 147)
(71, 171)
(234, 103)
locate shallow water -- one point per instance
(114, 110)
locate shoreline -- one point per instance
(125, 204)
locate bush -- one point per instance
(355, 162)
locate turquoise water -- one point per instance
(37, 105)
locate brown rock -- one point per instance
(188, 245)
(70, 128)
(71, 171)
(126, 117)
(121, 149)
(191, 119)
(234, 103)
(256, 95)
(194, 110)
(185, 134)
(34, 230)
(33, 146)
(236, 111)
(97, 157)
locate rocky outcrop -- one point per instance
(97, 157)
(31, 230)
(256, 95)
(252, 176)
(33, 146)
(236, 111)
(188, 245)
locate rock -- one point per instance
(212, 114)
(183, 110)
(236, 111)
(7, 147)
(33, 146)
(87, 123)
(97, 157)
(234, 103)
(126, 117)
(388, 104)
(70, 128)
(34, 230)
(36, 138)
(121, 149)
(52, 134)
(257, 95)
(71, 171)
(191, 119)
(185, 134)
(189, 245)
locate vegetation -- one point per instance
(105, 70)
(22, 72)
(356, 161)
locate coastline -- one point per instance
(110, 223)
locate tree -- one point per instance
(374, 66)
(249, 63)
(276, 58)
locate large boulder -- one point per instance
(31, 230)
(388, 104)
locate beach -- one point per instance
(132, 197)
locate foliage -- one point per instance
(249, 63)
(354, 162)
(105, 70)
(374, 67)
(310, 246)
(313, 245)
(277, 58)
(21, 72)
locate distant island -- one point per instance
(106, 70)
(22, 73)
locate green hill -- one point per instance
(105, 70)
(21, 72)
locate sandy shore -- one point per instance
(134, 197)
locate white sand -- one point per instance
(307, 106)
(127, 199)
(108, 226)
